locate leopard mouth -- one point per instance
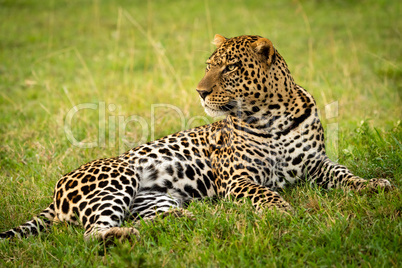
(219, 110)
(228, 106)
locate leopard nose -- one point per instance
(204, 93)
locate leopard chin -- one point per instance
(215, 113)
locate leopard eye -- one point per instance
(230, 68)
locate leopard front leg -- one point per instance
(261, 197)
(332, 175)
(233, 178)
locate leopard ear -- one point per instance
(219, 40)
(264, 47)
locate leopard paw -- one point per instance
(380, 184)
(376, 185)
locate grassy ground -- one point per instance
(124, 57)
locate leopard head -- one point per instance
(241, 76)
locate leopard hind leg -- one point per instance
(149, 205)
(104, 220)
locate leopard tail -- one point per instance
(33, 227)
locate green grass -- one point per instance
(55, 55)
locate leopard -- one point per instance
(268, 136)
